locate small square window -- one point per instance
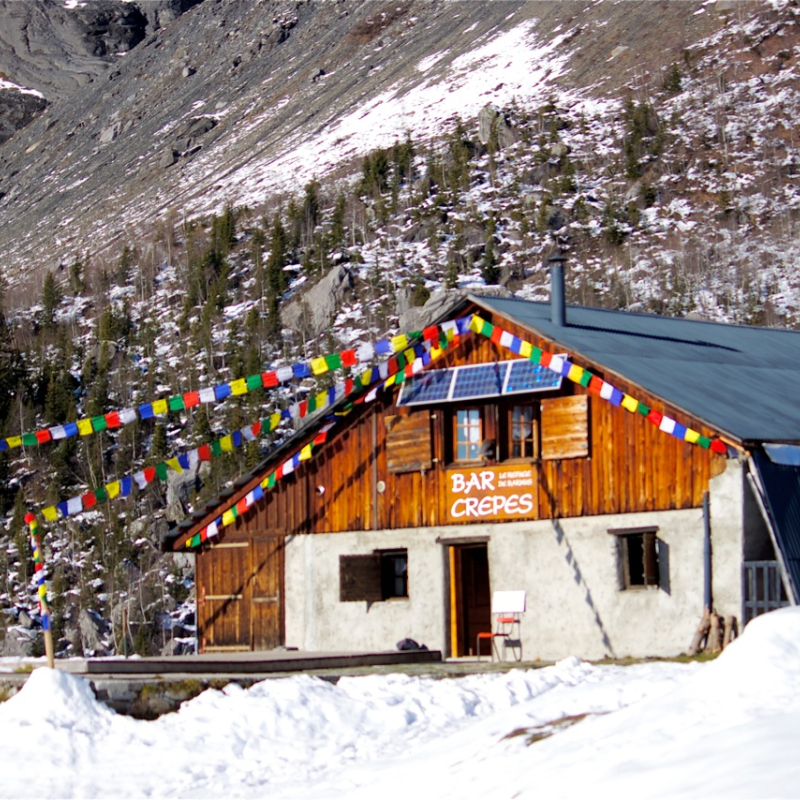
(381, 575)
(637, 557)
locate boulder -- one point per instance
(316, 309)
(416, 318)
(92, 628)
(492, 122)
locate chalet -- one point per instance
(624, 470)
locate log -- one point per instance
(731, 631)
(714, 641)
(698, 640)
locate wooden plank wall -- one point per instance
(632, 466)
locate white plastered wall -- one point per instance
(569, 569)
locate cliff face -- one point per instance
(205, 110)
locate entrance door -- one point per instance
(266, 617)
(470, 598)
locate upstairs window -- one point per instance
(468, 434)
(523, 433)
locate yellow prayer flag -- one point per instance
(475, 324)
(390, 380)
(274, 421)
(50, 513)
(112, 489)
(228, 517)
(525, 349)
(410, 355)
(321, 400)
(42, 591)
(160, 407)
(319, 366)
(226, 444)
(630, 404)
(85, 427)
(14, 441)
(174, 465)
(305, 453)
(435, 353)
(399, 343)
(239, 386)
(575, 373)
(691, 436)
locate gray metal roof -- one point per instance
(742, 381)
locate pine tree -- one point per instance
(51, 298)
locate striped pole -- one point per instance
(44, 607)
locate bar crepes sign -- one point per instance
(491, 493)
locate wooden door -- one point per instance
(470, 598)
(222, 588)
(266, 595)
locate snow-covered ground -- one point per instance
(728, 728)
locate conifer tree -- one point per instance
(51, 298)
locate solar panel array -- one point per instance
(481, 380)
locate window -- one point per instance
(637, 557)
(394, 573)
(468, 434)
(523, 433)
(381, 575)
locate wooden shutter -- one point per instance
(565, 427)
(408, 442)
(360, 578)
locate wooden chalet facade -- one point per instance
(424, 501)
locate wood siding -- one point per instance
(348, 486)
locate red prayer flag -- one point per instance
(88, 500)
(191, 399)
(431, 334)
(496, 334)
(113, 420)
(269, 378)
(204, 452)
(43, 436)
(546, 358)
(149, 474)
(719, 447)
(595, 385)
(349, 358)
(392, 365)
(241, 506)
(303, 407)
(655, 416)
(256, 428)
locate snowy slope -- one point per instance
(725, 729)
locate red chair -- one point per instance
(507, 610)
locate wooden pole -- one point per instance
(44, 606)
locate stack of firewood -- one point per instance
(713, 634)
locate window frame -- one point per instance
(367, 577)
(630, 542)
(509, 428)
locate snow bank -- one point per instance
(656, 730)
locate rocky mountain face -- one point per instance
(258, 183)
(203, 108)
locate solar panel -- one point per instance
(482, 380)
(429, 387)
(527, 377)
(485, 380)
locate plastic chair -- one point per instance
(507, 610)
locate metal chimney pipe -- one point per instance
(558, 306)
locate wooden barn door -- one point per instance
(222, 588)
(266, 597)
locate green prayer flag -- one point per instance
(216, 448)
(536, 355)
(334, 361)
(176, 403)
(586, 377)
(704, 442)
(643, 409)
(271, 481)
(101, 495)
(29, 440)
(312, 404)
(99, 423)
(161, 471)
(254, 382)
